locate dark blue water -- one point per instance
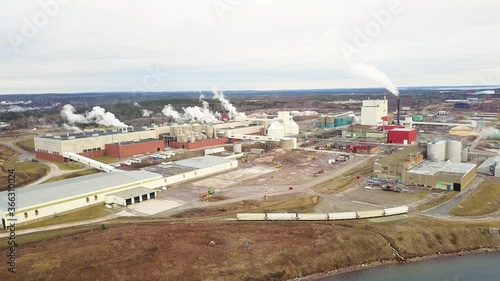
(475, 267)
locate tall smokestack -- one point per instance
(399, 108)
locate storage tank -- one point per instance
(198, 137)
(342, 216)
(465, 154)
(210, 132)
(454, 151)
(182, 138)
(175, 130)
(186, 128)
(197, 128)
(418, 117)
(330, 121)
(286, 143)
(237, 148)
(436, 151)
(343, 121)
(321, 121)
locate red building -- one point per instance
(198, 144)
(127, 149)
(363, 149)
(402, 136)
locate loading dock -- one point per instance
(131, 196)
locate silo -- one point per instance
(191, 138)
(186, 128)
(198, 137)
(175, 130)
(286, 143)
(436, 151)
(454, 151)
(330, 122)
(203, 136)
(465, 154)
(343, 121)
(197, 128)
(210, 132)
(237, 148)
(321, 121)
(182, 138)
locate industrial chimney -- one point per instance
(399, 108)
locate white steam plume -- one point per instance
(97, 115)
(219, 95)
(202, 97)
(169, 111)
(71, 128)
(146, 113)
(372, 73)
(136, 104)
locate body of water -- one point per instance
(474, 267)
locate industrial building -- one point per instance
(117, 187)
(402, 136)
(374, 112)
(55, 198)
(362, 149)
(441, 175)
(490, 166)
(129, 141)
(393, 165)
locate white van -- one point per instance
(136, 161)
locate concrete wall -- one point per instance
(199, 144)
(245, 130)
(127, 150)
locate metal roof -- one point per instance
(490, 161)
(74, 187)
(102, 132)
(432, 168)
(203, 162)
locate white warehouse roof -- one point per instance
(431, 168)
(202, 162)
(61, 190)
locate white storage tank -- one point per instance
(197, 128)
(312, 217)
(210, 132)
(465, 154)
(281, 216)
(251, 217)
(237, 148)
(186, 128)
(454, 151)
(342, 216)
(276, 130)
(370, 214)
(286, 143)
(436, 151)
(175, 130)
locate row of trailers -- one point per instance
(322, 216)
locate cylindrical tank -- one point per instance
(330, 121)
(465, 154)
(191, 138)
(182, 138)
(198, 137)
(197, 128)
(210, 132)
(454, 151)
(286, 143)
(203, 136)
(186, 128)
(321, 121)
(436, 151)
(175, 130)
(237, 148)
(343, 121)
(418, 117)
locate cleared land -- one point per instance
(346, 180)
(485, 200)
(25, 171)
(437, 200)
(27, 144)
(242, 251)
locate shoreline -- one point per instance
(353, 268)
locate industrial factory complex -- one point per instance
(407, 151)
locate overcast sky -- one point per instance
(162, 45)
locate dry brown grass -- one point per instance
(242, 251)
(345, 180)
(485, 200)
(445, 196)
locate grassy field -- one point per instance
(69, 166)
(485, 200)
(346, 180)
(445, 196)
(241, 251)
(25, 171)
(94, 212)
(73, 175)
(27, 144)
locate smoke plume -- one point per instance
(219, 95)
(97, 115)
(169, 111)
(374, 74)
(71, 128)
(146, 113)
